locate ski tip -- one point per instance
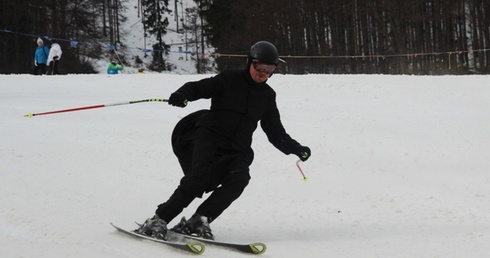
(196, 247)
(258, 248)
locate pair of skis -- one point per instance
(196, 245)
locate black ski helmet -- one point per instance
(263, 51)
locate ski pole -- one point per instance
(300, 170)
(96, 106)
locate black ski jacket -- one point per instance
(237, 105)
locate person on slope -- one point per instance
(40, 57)
(54, 57)
(114, 68)
(213, 146)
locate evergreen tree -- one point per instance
(156, 24)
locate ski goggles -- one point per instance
(265, 68)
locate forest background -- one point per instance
(312, 36)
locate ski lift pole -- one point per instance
(96, 106)
(120, 61)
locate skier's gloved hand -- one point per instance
(56, 58)
(302, 152)
(177, 99)
(35, 62)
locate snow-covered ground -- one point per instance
(399, 167)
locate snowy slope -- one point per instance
(399, 167)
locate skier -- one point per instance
(214, 146)
(54, 57)
(114, 68)
(40, 57)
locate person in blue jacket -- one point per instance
(40, 57)
(114, 68)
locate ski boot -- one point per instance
(153, 227)
(197, 225)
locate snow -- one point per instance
(399, 167)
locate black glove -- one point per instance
(302, 152)
(177, 99)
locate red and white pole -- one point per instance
(96, 106)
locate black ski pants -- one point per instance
(53, 67)
(39, 68)
(206, 169)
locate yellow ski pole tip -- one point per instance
(305, 179)
(30, 115)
